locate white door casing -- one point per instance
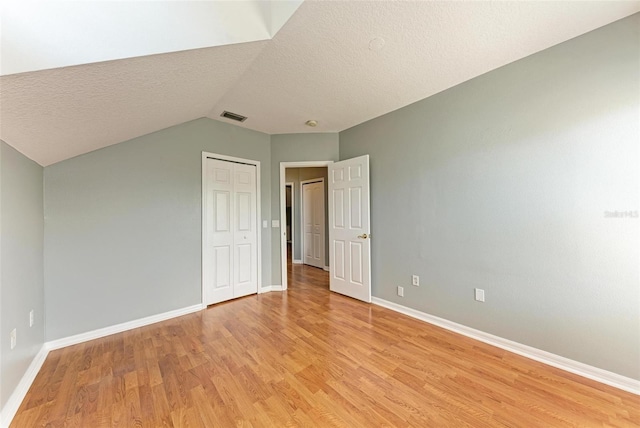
(313, 222)
(349, 228)
(230, 253)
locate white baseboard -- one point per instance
(118, 328)
(297, 262)
(326, 268)
(10, 409)
(590, 372)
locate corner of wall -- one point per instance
(21, 274)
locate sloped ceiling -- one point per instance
(326, 63)
(339, 62)
(57, 114)
(44, 34)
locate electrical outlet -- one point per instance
(415, 280)
(479, 295)
(31, 318)
(14, 338)
(275, 223)
(401, 291)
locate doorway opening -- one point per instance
(293, 175)
(289, 215)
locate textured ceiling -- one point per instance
(57, 114)
(318, 66)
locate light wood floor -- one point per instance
(308, 357)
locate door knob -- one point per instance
(364, 236)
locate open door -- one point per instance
(349, 228)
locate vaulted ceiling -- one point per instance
(338, 62)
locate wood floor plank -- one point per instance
(308, 357)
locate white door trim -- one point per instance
(205, 156)
(283, 210)
(324, 195)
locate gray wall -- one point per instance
(295, 176)
(123, 225)
(502, 183)
(22, 283)
(294, 148)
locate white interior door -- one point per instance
(245, 233)
(349, 228)
(219, 258)
(231, 252)
(313, 221)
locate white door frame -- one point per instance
(283, 210)
(204, 273)
(324, 195)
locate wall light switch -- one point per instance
(275, 223)
(479, 295)
(401, 291)
(265, 224)
(31, 318)
(14, 338)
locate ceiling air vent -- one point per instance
(233, 116)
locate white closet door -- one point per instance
(307, 221)
(314, 221)
(220, 231)
(231, 251)
(245, 234)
